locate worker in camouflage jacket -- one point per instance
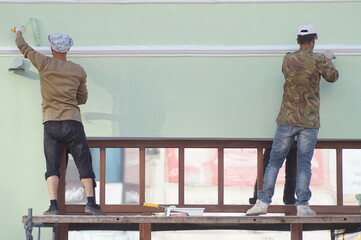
(298, 118)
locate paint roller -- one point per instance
(167, 209)
(156, 205)
(21, 26)
(33, 25)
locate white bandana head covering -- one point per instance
(60, 42)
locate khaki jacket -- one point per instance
(63, 84)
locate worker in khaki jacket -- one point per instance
(63, 88)
(298, 118)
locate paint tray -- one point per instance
(174, 211)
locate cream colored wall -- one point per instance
(211, 95)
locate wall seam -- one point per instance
(189, 50)
(172, 1)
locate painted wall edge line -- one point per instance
(172, 1)
(188, 51)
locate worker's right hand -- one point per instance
(20, 28)
(328, 54)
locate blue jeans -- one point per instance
(284, 138)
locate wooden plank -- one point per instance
(209, 142)
(196, 220)
(147, 224)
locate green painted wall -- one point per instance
(235, 97)
(186, 24)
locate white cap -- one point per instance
(60, 42)
(306, 29)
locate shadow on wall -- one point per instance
(26, 73)
(138, 107)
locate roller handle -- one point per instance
(150, 205)
(18, 28)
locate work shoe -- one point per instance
(258, 209)
(94, 209)
(53, 210)
(305, 210)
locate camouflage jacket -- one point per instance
(301, 97)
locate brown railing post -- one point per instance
(181, 176)
(62, 229)
(339, 187)
(61, 187)
(296, 231)
(220, 176)
(145, 231)
(141, 175)
(102, 178)
(259, 168)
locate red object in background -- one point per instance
(240, 167)
(172, 165)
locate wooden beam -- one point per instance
(339, 178)
(141, 175)
(220, 176)
(102, 178)
(293, 223)
(259, 168)
(145, 231)
(89, 219)
(62, 231)
(181, 176)
(296, 231)
(61, 186)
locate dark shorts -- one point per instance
(57, 135)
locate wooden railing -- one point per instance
(220, 144)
